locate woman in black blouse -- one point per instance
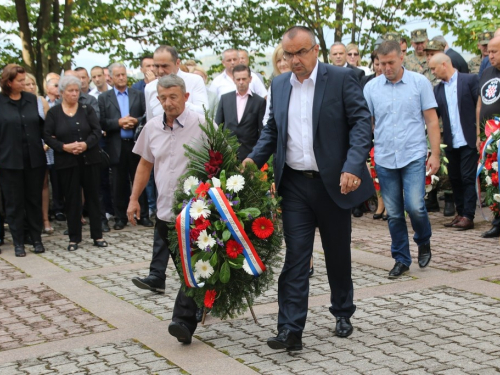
(72, 130)
(22, 159)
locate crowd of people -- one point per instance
(110, 150)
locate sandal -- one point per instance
(72, 246)
(100, 243)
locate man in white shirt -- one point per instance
(224, 82)
(166, 61)
(99, 81)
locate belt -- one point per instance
(128, 139)
(308, 174)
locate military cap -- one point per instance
(435, 45)
(419, 35)
(391, 36)
(484, 38)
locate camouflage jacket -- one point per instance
(475, 64)
(415, 64)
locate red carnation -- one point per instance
(233, 249)
(215, 158)
(203, 189)
(487, 163)
(201, 223)
(262, 227)
(209, 298)
(428, 180)
(494, 178)
(194, 234)
(494, 156)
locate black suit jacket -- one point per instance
(110, 114)
(467, 92)
(342, 131)
(359, 72)
(457, 61)
(248, 129)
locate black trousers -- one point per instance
(105, 195)
(159, 262)
(123, 178)
(57, 194)
(462, 172)
(73, 180)
(306, 205)
(185, 307)
(22, 191)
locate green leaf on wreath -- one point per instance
(206, 255)
(226, 235)
(218, 225)
(254, 212)
(225, 273)
(195, 258)
(213, 260)
(213, 279)
(235, 265)
(222, 178)
(237, 262)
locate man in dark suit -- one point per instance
(320, 129)
(456, 96)
(338, 57)
(122, 110)
(242, 111)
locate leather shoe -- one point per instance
(424, 255)
(145, 222)
(377, 216)
(180, 331)
(105, 226)
(1, 241)
(101, 243)
(285, 340)
(119, 225)
(398, 270)
(199, 314)
(153, 283)
(60, 216)
(38, 248)
(343, 328)
(493, 232)
(454, 221)
(19, 251)
(357, 212)
(311, 271)
(464, 224)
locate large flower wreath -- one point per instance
(227, 236)
(488, 165)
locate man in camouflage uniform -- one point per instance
(432, 48)
(417, 61)
(482, 46)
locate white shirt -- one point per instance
(194, 86)
(451, 94)
(95, 92)
(223, 84)
(299, 147)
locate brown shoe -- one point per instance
(453, 222)
(464, 224)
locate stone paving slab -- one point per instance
(38, 314)
(126, 357)
(451, 250)
(8, 272)
(435, 331)
(161, 305)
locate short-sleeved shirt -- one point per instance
(489, 86)
(397, 109)
(164, 147)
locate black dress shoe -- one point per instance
(153, 283)
(199, 314)
(398, 270)
(145, 222)
(181, 332)
(60, 216)
(493, 232)
(105, 226)
(38, 248)
(357, 212)
(19, 251)
(378, 216)
(343, 328)
(285, 340)
(66, 232)
(424, 255)
(100, 243)
(119, 225)
(311, 271)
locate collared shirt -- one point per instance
(123, 103)
(451, 93)
(95, 92)
(397, 109)
(241, 103)
(164, 147)
(222, 84)
(299, 147)
(50, 102)
(197, 101)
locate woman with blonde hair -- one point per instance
(354, 58)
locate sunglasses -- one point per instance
(352, 54)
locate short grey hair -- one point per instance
(66, 81)
(115, 65)
(172, 80)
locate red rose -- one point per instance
(233, 249)
(209, 298)
(494, 178)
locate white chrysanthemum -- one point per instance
(494, 165)
(215, 182)
(204, 269)
(235, 183)
(205, 240)
(189, 183)
(488, 180)
(496, 197)
(199, 208)
(246, 267)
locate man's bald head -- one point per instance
(441, 58)
(494, 51)
(497, 32)
(441, 66)
(71, 73)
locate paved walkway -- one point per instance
(79, 313)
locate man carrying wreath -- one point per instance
(320, 129)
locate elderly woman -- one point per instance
(354, 58)
(22, 159)
(72, 130)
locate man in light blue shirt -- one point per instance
(402, 103)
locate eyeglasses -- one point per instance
(299, 54)
(353, 54)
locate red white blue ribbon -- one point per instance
(480, 167)
(182, 225)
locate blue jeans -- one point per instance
(151, 192)
(403, 190)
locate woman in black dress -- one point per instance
(72, 130)
(22, 159)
